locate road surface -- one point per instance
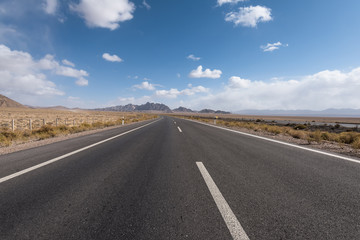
(177, 179)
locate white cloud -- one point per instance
(111, 58)
(145, 85)
(323, 90)
(48, 63)
(272, 46)
(67, 62)
(174, 93)
(82, 82)
(178, 75)
(71, 72)
(20, 63)
(20, 74)
(249, 16)
(193, 90)
(221, 2)
(199, 73)
(73, 98)
(146, 5)
(124, 101)
(237, 82)
(104, 13)
(192, 57)
(28, 84)
(50, 6)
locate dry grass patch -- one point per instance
(356, 143)
(68, 122)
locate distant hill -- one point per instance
(147, 107)
(182, 109)
(59, 108)
(153, 107)
(213, 111)
(6, 102)
(126, 108)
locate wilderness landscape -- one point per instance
(20, 124)
(145, 119)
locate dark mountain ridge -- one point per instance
(158, 107)
(182, 109)
(213, 111)
(155, 107)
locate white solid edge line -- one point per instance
(3, 179)
(232, 223)
(179, 129)
(280, 142)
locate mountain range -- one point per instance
(6, 102)
(155, 107)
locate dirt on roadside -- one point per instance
(328, 146)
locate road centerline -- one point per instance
(6, 178)
(233, 224)
(179, 129)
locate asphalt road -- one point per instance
(151, 183)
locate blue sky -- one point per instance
(220, 54)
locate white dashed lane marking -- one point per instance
(233, 224)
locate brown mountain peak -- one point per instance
(6, 102)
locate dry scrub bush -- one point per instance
(273, 129)
(6, 137)
(315, 136)
(356, 143)
(111, 123)
(44, 132)
(298, 134)
(4, 142)
(300, 127)
(348, 137)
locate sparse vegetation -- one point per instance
(300, 127)
(356, 143)
(299, 131)
(86, 120)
